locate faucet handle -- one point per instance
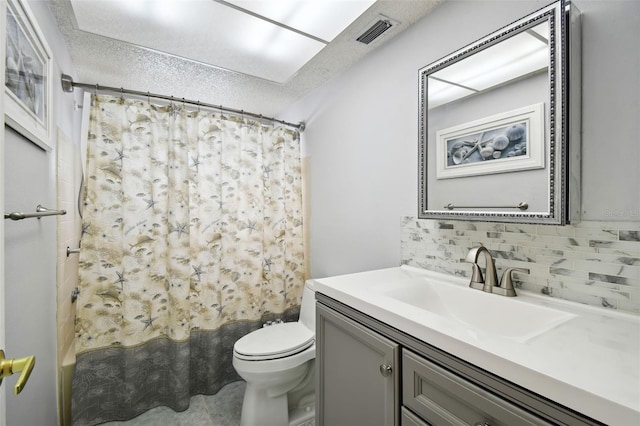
(477, 281)
(506, 282)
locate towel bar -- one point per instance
(40, 212)
(522, 206)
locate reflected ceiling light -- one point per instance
(516, 57)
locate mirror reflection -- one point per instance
(518, 57)
(491, 127)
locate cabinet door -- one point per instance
(358, 373)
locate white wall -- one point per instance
(611, 110)
(30, 247)
(362, 128)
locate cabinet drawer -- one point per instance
(443, 398)
(407, 418)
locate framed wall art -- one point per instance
(501, 143)
(28, 72)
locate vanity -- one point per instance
(407, 346)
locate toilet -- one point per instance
(278, 364)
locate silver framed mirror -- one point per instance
(499, 125)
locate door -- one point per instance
(3, 19)
(3, 407)
(20, 367)
(358, 373)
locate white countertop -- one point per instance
(591, 363)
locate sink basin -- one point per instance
(480, 313)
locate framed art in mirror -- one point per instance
(28, 71)
(502, 143)
(499, 125)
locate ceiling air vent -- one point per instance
(381, 25)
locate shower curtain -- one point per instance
(192, 236)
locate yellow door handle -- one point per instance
(17, 365)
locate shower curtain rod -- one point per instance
(68, 84)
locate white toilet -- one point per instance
(278, 364)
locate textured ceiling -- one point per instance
(109, 62)
(276, 37)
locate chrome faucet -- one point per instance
(477, 281)
(490, 284)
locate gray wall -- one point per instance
(30, 247)
(362, 129)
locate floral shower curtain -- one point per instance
(192, 235)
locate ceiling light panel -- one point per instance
(324, 19)
(201, 30)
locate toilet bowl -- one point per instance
(278, 364)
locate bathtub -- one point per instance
(66, 377)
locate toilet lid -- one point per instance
(274, 341)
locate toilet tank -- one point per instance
(308, 306)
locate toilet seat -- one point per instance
(274, 341)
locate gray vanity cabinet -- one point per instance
(359, 374)
(370, 373)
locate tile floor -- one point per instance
(221, 409)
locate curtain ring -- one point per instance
(198, 103)
(121, 93)
(95, 92)
(148, 97)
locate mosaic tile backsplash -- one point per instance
(596, 263)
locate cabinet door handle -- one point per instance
(385, 370)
